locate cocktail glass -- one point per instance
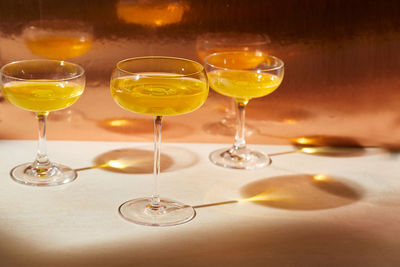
(213, 42)
(42, 86)
(158, 86)
(243, 76)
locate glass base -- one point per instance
(169, 213)
(58, 174)
(241, 158)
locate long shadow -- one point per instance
(327, 151)
(140, 161)
(302, 192)
(298, 192)
(129, 126)
(330, 146)
(327, 146)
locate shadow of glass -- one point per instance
(135, 161)
(130, 126)
(302, 192)
(330, 151)
(392, 149)
(215, 204)
(140, 160)
(329, 146)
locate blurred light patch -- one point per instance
(320, 177)
(126, 163)
(309, 150)
(260, 197)
(153, 13)
(267, 195)
(116, 164)
(289, 121)
(304, 141)
(121, 122)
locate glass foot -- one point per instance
(169, 213)
(241, 158)
(58, 174)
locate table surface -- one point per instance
(326, 207)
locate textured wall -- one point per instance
(341, 86)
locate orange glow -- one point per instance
(151, 13)
(304, 141)
(125, 163)
(320, 177)
(116, 164)
(309, 150)
(120, 122)
(260, 197)
(121, 163)
(268, 195)
(290, 121)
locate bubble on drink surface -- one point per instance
(43, 93)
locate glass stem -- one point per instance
(42, 162)
(155, 200)
(240, 141)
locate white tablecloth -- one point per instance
(337, 208)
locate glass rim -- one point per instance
(266, 38)
(281, 63)
(41, 22)
(160, 57)
(82, 70)
(44, 26)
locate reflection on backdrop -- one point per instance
(58, 39)
(153, 13)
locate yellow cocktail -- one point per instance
(159, 94)
(243, 85)
(42, 96)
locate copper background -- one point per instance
(342, 66)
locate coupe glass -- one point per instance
(242, 75)
(158, 86)
(209, 43)
(42, 86)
